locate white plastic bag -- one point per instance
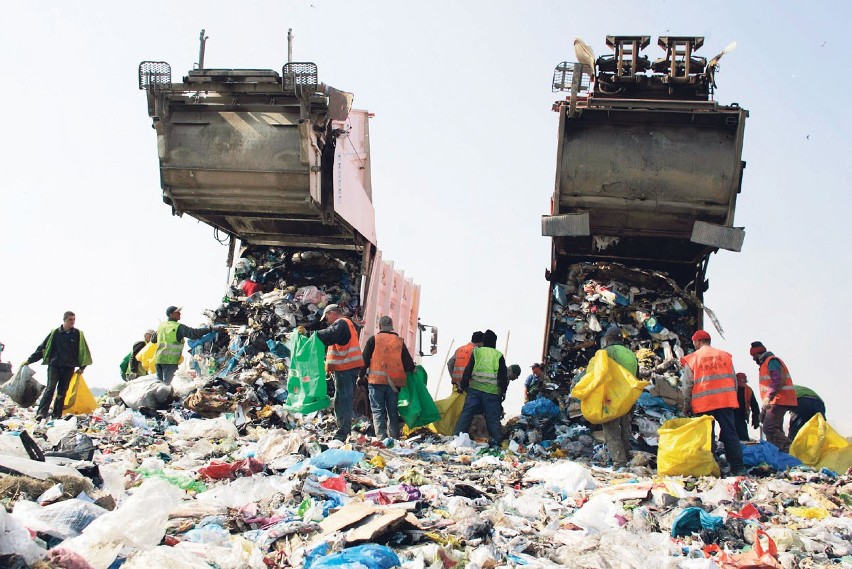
(62, 519)
(14, 538)
(60, 429)
(23, 389)
(147, 391)
(138, 524)
(564, 476)
(246, 490)
(218, 428)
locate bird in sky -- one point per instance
(586, 56)
(713, 64)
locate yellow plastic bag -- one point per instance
(78, 399)
(450, 409)
(817, 444)
(607, 391)
(146, 357)
(686, 448)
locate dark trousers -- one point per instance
(742, 424)
(58, 380)
(344, 395)
(166, 372)
(806, 408)
(618, 435)
(383, 406)
(728, 436)
(490, 405)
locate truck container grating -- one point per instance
(304, 75)
(156, 75)
(563, 77)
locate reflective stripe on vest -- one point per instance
(386, 361)
(462, 359)
(486, 363)
(168, 347)
(343, 357)
(715, 383)
(787, 394)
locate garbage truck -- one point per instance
(278, 160)
(648, 169)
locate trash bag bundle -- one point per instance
(655, 316)
(23, 389)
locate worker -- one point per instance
(130, 367)
(344, 360)
(746, 402)
(709, 386)
(62, 351)
(808, 404)
(460, 358)
(618, 432)
(482, 379)
(776, 392)
(387, 362)
(169, 338)
(534, 383)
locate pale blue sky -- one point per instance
(463, 150)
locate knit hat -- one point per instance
(613, 336)
(700, 335)
(757, 348)
(476, 337)
(489, 339)
(741, 379)
(515, 370)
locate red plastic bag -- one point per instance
(748, 512)
(337, 483)
(221, 470)
(757, 558)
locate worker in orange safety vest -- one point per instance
(709, 386)
(777, 393)
(344, 360)
(461, 357)
(388, 363)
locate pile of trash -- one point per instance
(117, 488)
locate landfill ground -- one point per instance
(233, 466)
(172, 491)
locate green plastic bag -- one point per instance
(415, 404)
(306, 385)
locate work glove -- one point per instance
(464, 386)
(26, 363)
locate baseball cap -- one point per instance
(171, 309)
(332, 308)
(701, 335)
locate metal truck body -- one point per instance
(648, 166)
(276, 159)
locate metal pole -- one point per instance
(506, 347)
(203, 39)
(289, 45)
(443, 367)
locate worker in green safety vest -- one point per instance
(169, 339)
(485, 379)
(63, 350)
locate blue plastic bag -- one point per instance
(335, 457)
(540, 407)
(693, 520)
(369, 556)
(766, 453)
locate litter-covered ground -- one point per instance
(178, 490)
